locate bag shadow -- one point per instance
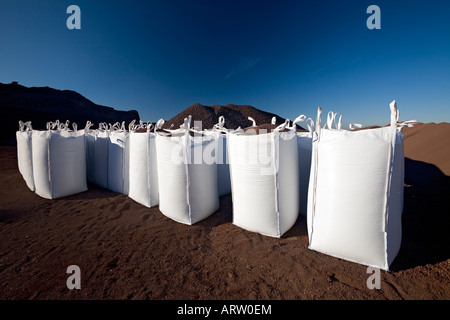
(425, 219)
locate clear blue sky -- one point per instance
(286, 57)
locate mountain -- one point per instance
(43, 104)
(235, 116)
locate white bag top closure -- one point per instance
(25, 126)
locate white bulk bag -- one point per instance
(143, 172)
(97, 142)
(187, 175)
(24, 153)
(223, 167)
(59, 161)
(89, 138)
(118, 159)
(264, 178)
(356, 193)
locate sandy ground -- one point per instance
(127, 251)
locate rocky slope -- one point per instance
(42, 104)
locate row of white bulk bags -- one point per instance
(304, 143)
(304, 147)
(356, 193)
(264, 177)
(59, 161)
(108, 155)
(143, 171)
(187, 173)
(97, 142)
(24, 153)
(223, 167)
(118, 158)
(89, 138)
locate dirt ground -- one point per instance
(127, 251)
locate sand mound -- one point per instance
(429, 143)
